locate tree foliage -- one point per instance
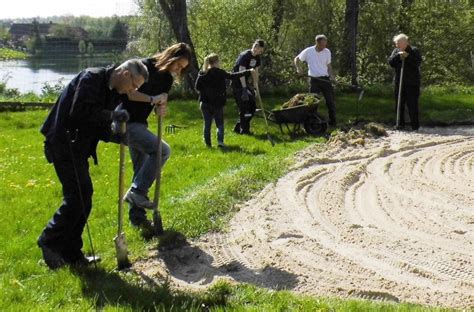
(442, 30)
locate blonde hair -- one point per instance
(177, 51)
(209, 60)
(400, 37)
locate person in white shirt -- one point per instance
(320, 72)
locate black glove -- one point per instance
(120, 115)
(117, 136)
(245, 95)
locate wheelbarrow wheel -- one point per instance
(315, 125)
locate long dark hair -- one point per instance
(172, 54)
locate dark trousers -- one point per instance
(409, 98)
(63, 232)
(246, 111)
(323, 85)
(210, 113)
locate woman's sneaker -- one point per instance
(138, 200)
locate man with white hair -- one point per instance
(80, 118)
(411, 81)
(320, 71)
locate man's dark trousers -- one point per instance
(63, 232)
(323, 85)
(410, 96)
(246, 110)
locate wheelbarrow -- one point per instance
(305, 116)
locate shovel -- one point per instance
(120, 241)
(157, 223)
(399, 100)
(260, 103)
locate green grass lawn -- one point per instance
(200, 187)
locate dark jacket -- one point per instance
(247, 60)
(83, 109)
(158, 82)
(212, 85)
(411, 72)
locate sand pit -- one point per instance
(392, 220)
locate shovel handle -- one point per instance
(399, 100)
(156, 201)
(123, 130)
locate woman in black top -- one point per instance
(211, 85)
(142, 143)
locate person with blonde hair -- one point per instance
(211, 85)
(410, 57)
(142, 143)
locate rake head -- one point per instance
(171, 129)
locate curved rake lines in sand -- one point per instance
(393, 220)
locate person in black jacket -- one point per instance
(211, 85)
(142, 143)
(243, 92)
(411, 78)
(80, 118)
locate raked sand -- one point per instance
(392, 220)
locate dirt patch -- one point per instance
(391, 219)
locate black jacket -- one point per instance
(411, 72)
(247, 60)
(158, 82)
(212, 85)
(83, 109)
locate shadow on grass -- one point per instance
(240, 149)
(288, 137)
(111, 289)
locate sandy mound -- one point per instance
(391, 219)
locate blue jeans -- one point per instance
(210, 113)
(143, 146)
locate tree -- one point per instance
(404, 22)
(278, 11)
(349, 51)
(90, 49)
(119, 30)
(4, 34)
(34, 43)
(176, 13)
(82, 46)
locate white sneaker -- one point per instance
(221, 144)
(138, 200)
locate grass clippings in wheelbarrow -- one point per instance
(301, 99)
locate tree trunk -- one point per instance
(176, 13)
(404, 18)
(349, 56)
(277, 11)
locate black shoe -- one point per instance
(237, 128)
(399, 128)
(246, 133)
(53, 259)
(79, 259)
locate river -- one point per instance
(30, 75)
